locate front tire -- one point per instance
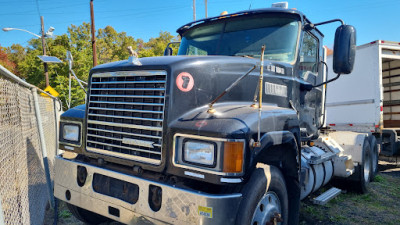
(265, 198)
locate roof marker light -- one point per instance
(283, 5)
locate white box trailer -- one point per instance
(368, 99)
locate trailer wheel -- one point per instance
(375, 156)
(365, 168)
(86, 216)
(265, 198)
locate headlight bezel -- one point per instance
(66, 141)
(177, 155)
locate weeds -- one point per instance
(379, 179)
(381, 203)
(64, 214)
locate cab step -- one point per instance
(327, 196)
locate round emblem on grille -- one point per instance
(185, 81)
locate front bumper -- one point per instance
(179, 206)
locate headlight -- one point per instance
(202, 153)
(213, 155)
(71, 133)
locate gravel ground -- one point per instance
(379, 206)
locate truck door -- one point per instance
(309, 71)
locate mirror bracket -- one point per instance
(310, 26)
(168, 50)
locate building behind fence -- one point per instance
(24, 192)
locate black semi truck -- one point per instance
(229, 131)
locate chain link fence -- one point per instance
(24, 190)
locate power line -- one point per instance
(37, 7)
(50, 8)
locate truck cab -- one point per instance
(214, 135)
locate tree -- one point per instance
(111, 46)
(5, 61)
(16, 53)
(156, 46)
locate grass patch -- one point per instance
(315, 211)
(338, 218)
(379, 179)
(381, 203)
(64, 214)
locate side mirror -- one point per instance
(168, 51)
(344, 50)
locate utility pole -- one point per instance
(194, 10)
(93, 34)
(206, 7)
(46, 73)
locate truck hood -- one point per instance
(234, 120)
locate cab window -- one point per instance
(309, 54)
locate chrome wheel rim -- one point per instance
(268, 209)
(367, 167)
(374, 160)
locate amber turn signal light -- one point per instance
(233, 157)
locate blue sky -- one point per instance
(373, 19)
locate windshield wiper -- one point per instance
(210, 106)
(246, 56)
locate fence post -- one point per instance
(56, 124)
(43, 146)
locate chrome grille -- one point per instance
(125, 114)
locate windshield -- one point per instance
(244, 37)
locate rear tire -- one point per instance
(86, 216)
(375, 156)
(364, 169)
(264, 197)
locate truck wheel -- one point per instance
(375, 156)
(86, 216)
(265, 198)
(365, 168)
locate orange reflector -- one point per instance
(311, 143)
(233, 157)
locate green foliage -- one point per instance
(111, 46)
(156, 46)
(63, 214)
(379, 178)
